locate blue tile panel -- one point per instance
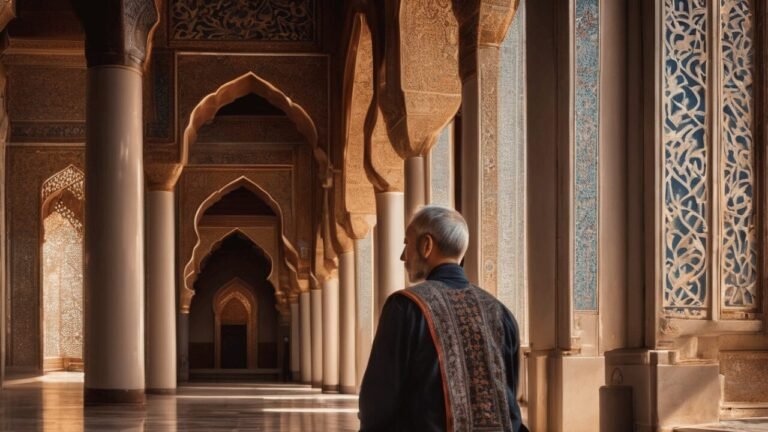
(586, 155)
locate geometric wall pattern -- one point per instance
(586, 155)
(62, 288)
(686, 191)
(739, 233)
(709, 171)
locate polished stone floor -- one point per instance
(744, 425)
(55, 403)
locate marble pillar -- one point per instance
(347, 370)
(295, 341)
(305, 353)
(182, 335)
(331, 335)
(471, 174)
(114, 237)
(161, 293)
(391, 233)
(316, 300)
(364, 303)
(415, 186)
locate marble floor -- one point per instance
(744, 425)
(55, 403)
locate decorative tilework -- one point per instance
(441, 166)
(685, 222)
(243, 20)
(511, 202)
(62, 287)
(739, 236)
(586, 153)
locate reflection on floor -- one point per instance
(745, 425)
(55, 403)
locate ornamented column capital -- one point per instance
(117, 32)
(481, 23)
(162, 176)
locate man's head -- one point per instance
(436, 235)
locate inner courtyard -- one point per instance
(203, 204)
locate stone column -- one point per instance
(306, 337)
(161, 293)
(364, 302)
(182, 335)
(295, 340)
(114, 237)
(415, 186)
(471, 174)
(116, 43)
(347, 369)
(330, 347)
(316, 300)
(391, 232)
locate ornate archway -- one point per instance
(288, 251)
(61, 271)
(235, 304)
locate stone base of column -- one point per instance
(330, 389)
(660, 384)
(159, 391)
(317, 384)
(349, 390)
(95, 397)
(296, 376)
(564, 391)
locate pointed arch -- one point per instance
(356, 194)
(210, 244)
(62, 199)
(241, 86)
(240, 291)
(289, 253)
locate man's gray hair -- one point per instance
(446, 226)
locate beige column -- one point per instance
(471, 174)
(391, 233)
(114, 237)
(364, 303)
(330, 316)
(347, 368)
(415, 186)
(316, 300)
(161, 293)
(295, 340)
(305, 323)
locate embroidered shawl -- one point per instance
(466, 327)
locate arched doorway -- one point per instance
(235, 332)
(62, 199)
(234, 321)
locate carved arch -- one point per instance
(241, 86)
(291, 256)
(210, 243)
(355, 199)
(240, 291)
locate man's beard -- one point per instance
(419, 270)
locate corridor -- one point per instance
(54, 402)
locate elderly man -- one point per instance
(445, 356)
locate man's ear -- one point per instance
(427, 246)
